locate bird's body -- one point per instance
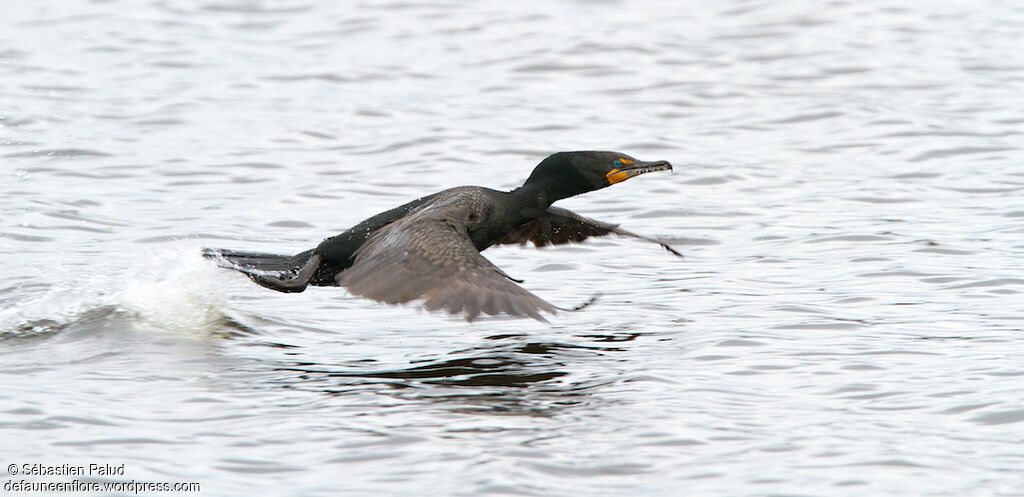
(430, 248)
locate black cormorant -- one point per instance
(429, 248)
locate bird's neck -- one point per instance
(535, 195)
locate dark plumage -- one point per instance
(429, 248)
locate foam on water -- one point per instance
(846, 321)
(171, 291)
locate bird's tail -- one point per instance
(251, 262)
(284, 273)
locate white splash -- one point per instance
(172, 291)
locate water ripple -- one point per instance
(846, 188)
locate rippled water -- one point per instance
(849, 194)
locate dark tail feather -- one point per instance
(256, 261)
(284, 273)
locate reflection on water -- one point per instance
(847, 191)
(505, 378)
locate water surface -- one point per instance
(848, 192)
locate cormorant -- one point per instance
(429, 248)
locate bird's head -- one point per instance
(565, 174)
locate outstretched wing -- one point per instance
(430, 257)
(560, 226)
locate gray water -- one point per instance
(848, 193)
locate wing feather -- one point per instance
(429, 256)
(560, 226)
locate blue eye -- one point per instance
(618, 163)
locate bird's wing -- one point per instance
(560, 226)
(431, 258)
